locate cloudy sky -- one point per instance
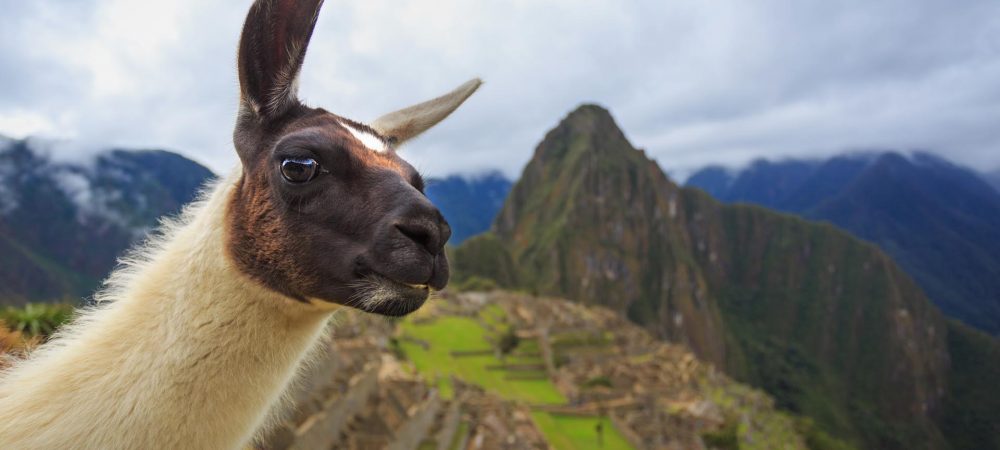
(692, 82)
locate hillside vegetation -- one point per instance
(938, 221)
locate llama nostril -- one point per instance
(424, 234)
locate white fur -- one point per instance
(374, 143)
(183, 351)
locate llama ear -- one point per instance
(272, 48)
(405, 124)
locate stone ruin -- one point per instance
(656, 394)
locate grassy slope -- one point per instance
(578, 433)
(22, 269)
(447, 334)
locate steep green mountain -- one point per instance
(469, 203)
(970, 417)
(939, 221)
(824, 322)
(63, 224)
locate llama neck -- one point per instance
(189, 354)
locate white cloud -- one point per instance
(691, 82)
(21, 124)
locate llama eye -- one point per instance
(299, 170)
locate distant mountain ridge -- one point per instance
(63, 224)
(63, 221)
(993, 178)
(469, 203)
(939, 221)
(824, 322)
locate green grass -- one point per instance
(493, 316)
(521, 359)
(578, 433)
(529, 346)
(449, 334)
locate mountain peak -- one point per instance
(590, 118)
(586, 154)
(590, 110)
(588, 128)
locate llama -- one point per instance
(199, 332)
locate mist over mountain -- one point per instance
(826, 323)
(469, 203)
(63, 224)
(939, 221)
(993, 178)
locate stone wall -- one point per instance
(412, 433)
(322, 429)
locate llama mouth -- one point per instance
(381, 295)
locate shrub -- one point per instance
(475, 283)
(36, 319)
(598, 381)
(816, 439)
(508, 341)
(397, 349)
(725, 438)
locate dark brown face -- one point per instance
(325, 208)
(320, 214)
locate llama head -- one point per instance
(326, 211)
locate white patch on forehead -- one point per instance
(373, 142)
